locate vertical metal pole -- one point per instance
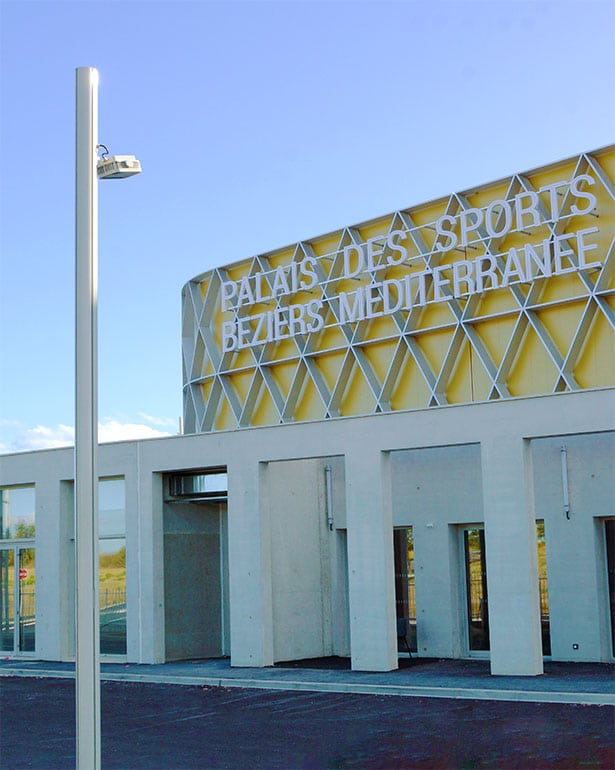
(329, 496)
(565, 488)
(87, 656)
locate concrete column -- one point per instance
(66, 557)
(149, 587)
(512, 562)
(49, 571)
(371, 580)
(133, 560)
(250, 592)
(437, 590)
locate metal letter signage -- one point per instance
(424, 307)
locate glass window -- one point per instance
(111, 508)
(405, 600)
(476, 588)
(609, 534)
(541, 544)
(199, 485)
(112, 565)
(27, 604)
(17, 569)
(17, 513)
(17, 599)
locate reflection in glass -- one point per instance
(476, 589)
(112, 566)
(609, 535)
(405, 601)
(27, 608)
(112, 573)
(111, 508)
(17, 592)
(545, 625)
(16, 513)
(198, 484)
(7, 600)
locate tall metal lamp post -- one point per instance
(88, 169)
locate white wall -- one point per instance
(300, 560)
(435, 503)
(371, 494)
(575, 571)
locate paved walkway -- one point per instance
(576, 683)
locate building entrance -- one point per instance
(17, 596)
(476, 589)
(405, 598)
(195, 572)
(609, 531)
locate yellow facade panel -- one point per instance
(504, 290)
(411, 390)
(309, 404)
(541, 179)
(435, 346)
(357, 398)
(331, 337)
(204, 390)
(240, 382)
(380, 357)
(382, 328)
(217, 324)
(595, 367)
(560, 288)
(282, 350)
(330, 367)
(497, 302)
(241, 359)
(377, 229)
(326, 245)
(225, 419)
(495, 335)
(265, 412)
(282, 257)
(534, 371)
(562, 324)
(483, 197)
(208, 368)
(284, 376)
(470, 380)
(435, 315)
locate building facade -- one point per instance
(399, 439)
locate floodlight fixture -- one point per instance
(117, 166)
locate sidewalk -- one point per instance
(573, 683)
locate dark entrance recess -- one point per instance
(405, 598)
(476, 589)
(195, 565)
(609, 532)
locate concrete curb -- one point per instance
(410, 691)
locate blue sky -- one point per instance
(257, 124)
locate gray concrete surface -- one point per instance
(582, 683)
(207, 716)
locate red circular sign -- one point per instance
(23, 574)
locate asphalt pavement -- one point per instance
(319, 714)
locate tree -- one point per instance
(24, 531)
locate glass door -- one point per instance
(609, 532)
(405, 599)
(476, 589)
(7, 599)
(17, 599)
